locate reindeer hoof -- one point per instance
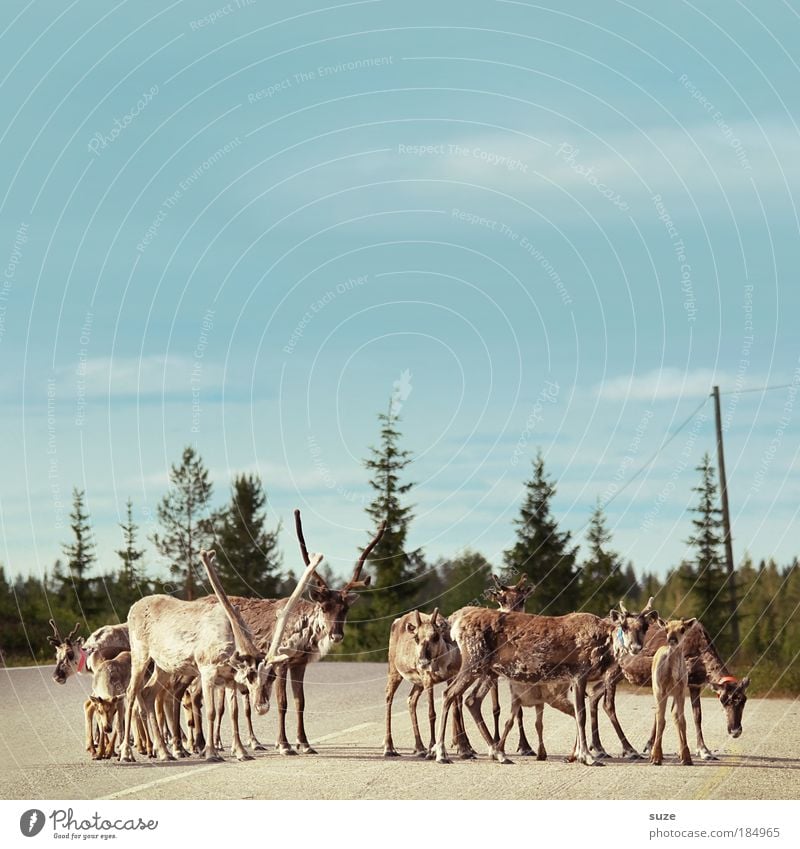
(441, 759)
(632, 755)
(599, 753)
(214, 758)
(307, 750)
(286, 751)
(420, 753)
(258, 747)
(391, 753)
(706, 755)
(541, 756)
(243, 756)
(687, 762)
(526, 753)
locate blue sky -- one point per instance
(242, 228)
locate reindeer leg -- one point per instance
(610, 707)
(473, 702)
(392, 684)
(524, 747)
(702, 750)
(656, 755)
(88, 720)
(237, 749)
(465, 750)
(220, 712)
(298, 674)
(252, 741)
(455, 690)
(582, 752)
(431, 720)
(413, 698)
(282, 744)
(133, 695)
(596, 747)
(197, 713)
(679, 718)
(173, 716)
(209, 698)
(495, 693)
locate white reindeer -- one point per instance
(192, 638)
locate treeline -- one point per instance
(766, 596)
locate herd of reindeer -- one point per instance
(176, 657)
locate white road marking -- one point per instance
(192, 771)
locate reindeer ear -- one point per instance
(615, 616)
(652, 616)
(411, 628)
(689, 622)
(95, 699)
(744, 683)
(352, 598)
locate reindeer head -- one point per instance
(107, 708)
(510, 598)
(630, 628)
(676, 628)
(430, 635)
(334, 605)
(69, 656)
(732, 697)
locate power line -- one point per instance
(657, 451)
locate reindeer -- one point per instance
(189, 638)
(109, 684)
(324, 618)
(421, 651)
(705, 667)
(670, 678)
(578, 647)
(509, 598)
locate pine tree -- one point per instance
(542, 551)
(183, 513)
(706, 581)
(81, 556)
(129, 580)
(395, 572)
(248, 560)
(602, 582)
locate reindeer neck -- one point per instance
(714, 665)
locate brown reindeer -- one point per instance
(109, 684)
(420, 651)
(324, 616)
(705, 667)
(578, 647)
(670, 679)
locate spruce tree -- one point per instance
(130, 579)
(81, 556)
(248, 559)
(602, 581)
(395, 572)
(183, 513)
(542, 551)
(706, 580)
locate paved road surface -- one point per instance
(41, 740)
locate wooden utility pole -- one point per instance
(726, 522)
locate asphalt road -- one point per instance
(43, 758)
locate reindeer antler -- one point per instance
(522, 581)
(496, 582)
(74, 632)
(355, 581)
(55, 638)
(622, 608)
(298, 526)
(649, 606)
(434, 615)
